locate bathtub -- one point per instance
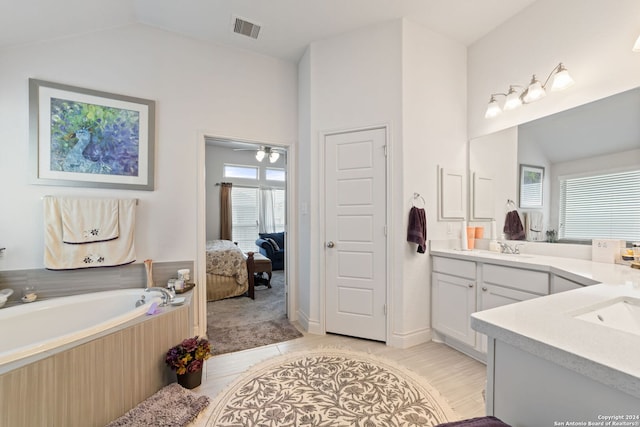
(36, 327)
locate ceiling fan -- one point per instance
(273, 154)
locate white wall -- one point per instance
(433, 134)
(216, 158)
(487, 155)
(197, 86)
(412, 80)
(350, 81)
(529, 153)
(593, 39)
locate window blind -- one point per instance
(603, 206)
(244, 228)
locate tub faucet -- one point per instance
(167, 297)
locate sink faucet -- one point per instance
(167, 296)
(506, 249)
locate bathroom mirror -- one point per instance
(601, 135)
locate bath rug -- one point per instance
(172, 406)
(335, 387)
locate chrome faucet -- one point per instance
(167, 296)
(506, 249)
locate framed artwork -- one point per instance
(531, 183)
(87, 138)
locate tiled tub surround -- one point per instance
(51, 284)
(582, 370)
(97, 378)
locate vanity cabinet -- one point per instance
(454, 295)
(460, 288)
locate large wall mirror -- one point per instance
(598, 139)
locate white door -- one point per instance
(355, 240)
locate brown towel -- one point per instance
(513, 228)
(417, 230)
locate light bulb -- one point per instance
(534, 92)
(273, 157)
(636, 46)
(493, 109)
(513, 100)
(562, 79)
(260, 155)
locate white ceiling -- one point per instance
(288, 26)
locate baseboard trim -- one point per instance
(310, 326)
(409, 339)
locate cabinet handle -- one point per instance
(484, 288)
(470, 285)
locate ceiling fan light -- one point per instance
(273, 157)
(562, 79)
(260, 154)
(513, 100)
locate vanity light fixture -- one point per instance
(533, 92)
(636, 45)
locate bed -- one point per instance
(229, 270)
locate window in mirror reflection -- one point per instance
(600, 206)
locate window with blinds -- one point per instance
(603, 206)
(244, 208)
(245, 215)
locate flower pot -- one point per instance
(190, 379)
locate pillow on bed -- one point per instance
(273, 244)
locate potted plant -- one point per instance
(187, 359)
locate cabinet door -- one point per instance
(454, 299)
(492, 296)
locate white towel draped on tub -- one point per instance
(89, 220)
(64, 256)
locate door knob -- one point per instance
(470, 285)
(484, 288)
(330, 244)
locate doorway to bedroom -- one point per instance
(246, 211)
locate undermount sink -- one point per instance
(622, 313)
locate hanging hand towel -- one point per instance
(89, 220)
(533, 225)
(63, 256)
(417, 230)
(513, 228)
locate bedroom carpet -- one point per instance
(240, 323)
(329, 387)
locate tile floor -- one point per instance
(459, 378)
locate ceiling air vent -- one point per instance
(246, 28)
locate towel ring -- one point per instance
(417, 196)
(510, 206)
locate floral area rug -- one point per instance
(329, 387)
(172, 406)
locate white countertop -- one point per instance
(574, 269)
(546, 327)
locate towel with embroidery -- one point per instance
(88, 220)
(64, 256)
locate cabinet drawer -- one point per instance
(456, 267)
(516, 278)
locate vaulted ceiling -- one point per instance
(287, 26)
